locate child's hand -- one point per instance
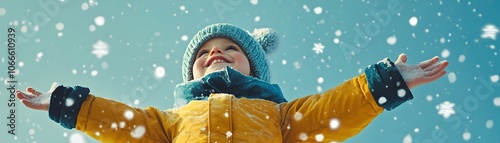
(425, 72)
(36, 100)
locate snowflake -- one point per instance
(318, 48)
(489, 31)
(101, 49)
(446, 109)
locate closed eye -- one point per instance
(231, 47)
(201, 53)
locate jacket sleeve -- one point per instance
(345, 110)
(108, 120)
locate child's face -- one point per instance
(216, 54)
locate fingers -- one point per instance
(402, 58)
(32, 105)
(435, 76)
(434, 69)
(33, 91)
(428, 62)
(21, 95)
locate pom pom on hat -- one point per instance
(267, 38)
(255, 45)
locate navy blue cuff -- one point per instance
(65, 104)
(387, 85)
(74, 101)
(56, 102)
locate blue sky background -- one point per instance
(145, 38)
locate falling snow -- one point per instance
(257, 19)
(99, 21)
(452, 78)
(413, 21)
(489, 31)
(93, 73)
(159, 72)
(446, 109)
(229, 134)
(122, 124)
(76, 138)
(2, 11)
(296, 65)
(496, 101)
(334, 124)
(254, 2)
(306, 8)
(303, 136)
(101, 49)
(59, 26)
(338, 32)
(104, 65)
(297, 116)
(466, 136)
(461, 58)
(494, 78)
(32, 131)
(318, 10)
(392, 40)
(138, 132)
(69, 102)
(489, 124)
(318, 48)
(336, 40)
(320, 80)
(407, 139)
(382, 100)
(401, 93)
(445, 53)
(184, 38)
(129, 115)
(38, 56)
(114, 125)
(319, 137)
(85, 6)
(92, 28)
(428, 98)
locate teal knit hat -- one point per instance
(255, 46)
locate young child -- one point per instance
(226, 96)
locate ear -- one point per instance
(267, 38)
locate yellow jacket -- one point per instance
(335, 115)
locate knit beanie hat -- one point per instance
(255, 45)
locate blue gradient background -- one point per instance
(148, 34)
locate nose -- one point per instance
(215, 50)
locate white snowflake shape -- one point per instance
(490, 31)
(446, 109)
(318, 48)
(101, 49)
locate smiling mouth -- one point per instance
(216, 61)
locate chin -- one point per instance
(215, 68)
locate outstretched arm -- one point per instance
(344, 111)
(103, 119)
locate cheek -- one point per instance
(198, 68)
(243, 64)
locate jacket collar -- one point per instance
(229, 81)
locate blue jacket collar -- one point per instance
(228, 81)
